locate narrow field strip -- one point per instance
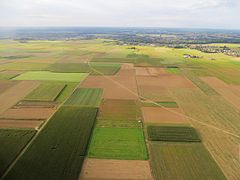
(50, 76)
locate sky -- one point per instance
(224, 14)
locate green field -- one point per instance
(88, 97)
(46, 92)
(173, 133)
(118, 143)
(50, 76)
(173, 70)
(167, 104)
(4, 76)
(183, 161)
(57, 152)
(104, 68)
(12, 142)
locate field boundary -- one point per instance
(151, 101)
(33, 138)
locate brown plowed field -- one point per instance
(101, 169)
(214, 82)
(155, 93)
(112, 85)
(35, 104)
(5, 85)
(27, 113)
(170, 81)
(15, 94)
(127, 66)
(162, 115)
(19, 123)
(142, 71)
(150, 71)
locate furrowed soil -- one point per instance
(163, 115)
(15, 94)
(11, 123)
(111, 90)
(102, 169)
(28, 113)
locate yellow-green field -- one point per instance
(126, 88)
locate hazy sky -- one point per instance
(124, 13)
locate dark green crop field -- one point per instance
(173, 133)
(87, 97)
(57, 152)
(183, 161)
(12, 142)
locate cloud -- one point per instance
(185, 13)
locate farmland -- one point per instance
(50, 76)
(45, 92)
(104, 109)
(118, 143)
(172, 133)
(103, 68)
(178, 161)
(85, 97)
(12, 142)
(53, 148)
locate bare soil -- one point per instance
(114, 86)
(20, 123)
(168, 81)
(15, 94)
(35, 104)
(5, 85)
(28, 113)
(214, 82)
(102, 169)
(162, 115)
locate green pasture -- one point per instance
(118, 143)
